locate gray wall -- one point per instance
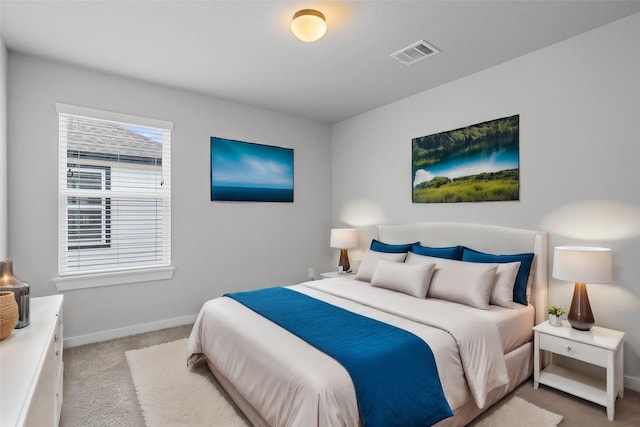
(3, 148)
(217, 247)
(579, 106)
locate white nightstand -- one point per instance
(331, 274)
(599, 346)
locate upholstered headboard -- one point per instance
(486, 238)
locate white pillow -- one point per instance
(411, 279)
(502, 292)
(370, 262)
(467, 283)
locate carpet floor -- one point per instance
(99, 391)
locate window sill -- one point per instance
(83, 281)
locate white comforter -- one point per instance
(291, 383)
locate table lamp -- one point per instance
(343, 239)
(582, 265)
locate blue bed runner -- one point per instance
(393, 371)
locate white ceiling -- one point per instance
(244, 50)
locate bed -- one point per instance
(278, 379)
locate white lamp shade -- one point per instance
(344, 238)
(582, 264)
(309, 25)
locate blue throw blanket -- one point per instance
(393, 371)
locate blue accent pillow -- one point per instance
(390, 249)
(520, 287)
(449, 252)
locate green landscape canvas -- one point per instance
(477, 163)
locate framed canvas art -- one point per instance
(249, 172)
(477, 163)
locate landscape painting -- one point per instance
(248, 172)
(477, 163)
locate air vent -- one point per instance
(414, 53)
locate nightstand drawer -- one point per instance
(575, 350)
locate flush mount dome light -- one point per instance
(308, 25)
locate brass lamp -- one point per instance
(343, 239)
(582, 265)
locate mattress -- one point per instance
(290, 383)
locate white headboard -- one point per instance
(486, 238)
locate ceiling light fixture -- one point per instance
(309, 25)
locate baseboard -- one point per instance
(129, 330)
(632, 383)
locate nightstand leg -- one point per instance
(620, 369)
(536, 359)
(612, 386)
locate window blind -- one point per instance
(114, 205)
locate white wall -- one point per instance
(3, 148)
(579, 106)
(216, 247)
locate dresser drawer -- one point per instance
(575, 350)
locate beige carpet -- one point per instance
(171, 394)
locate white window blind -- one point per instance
(114, 207)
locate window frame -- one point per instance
(67, 280)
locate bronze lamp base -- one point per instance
(344, 260)
(580, 315)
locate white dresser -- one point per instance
(31, 368)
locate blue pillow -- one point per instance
(520, 287)
(390, 249)
(449, 252)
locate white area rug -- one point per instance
(170, 394)
(519, 412)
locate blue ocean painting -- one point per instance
(245, 171)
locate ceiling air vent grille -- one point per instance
(414, 53)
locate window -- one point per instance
(114, 215)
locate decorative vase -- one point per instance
(8, 314)
(555, 320)
(20, 289)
